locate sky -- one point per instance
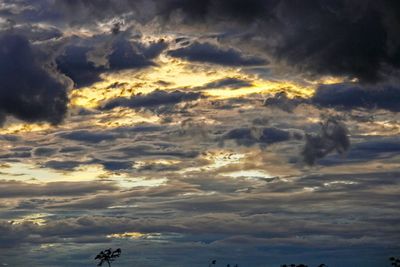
(253, 132)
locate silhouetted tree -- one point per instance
(302, 265)
(213, 262)
(395, 262)
(108, 256)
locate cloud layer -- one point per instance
(185, 130)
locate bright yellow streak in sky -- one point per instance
(120, 117)
(170, 74)
(19, 127)
(264, 87)
(33, 174)
(36, 218)
(173, 74)
(85, 173)
(136, 235)
(131, 235)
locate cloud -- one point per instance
(355, 45)
(131, 55)
(116, 165)
(365, 151)
(258, 135)
(88, 136)
(63, 165)
(37, 32)
(333, 137)
(213, 11)
(170, 180)
(158, 149)
(80, 60)
(352, 96)
(31, 90)
(12, 189)
(283, 102)
(231, 83)
(208, 53)
(343, 96)
(361, 42)
(73, 63)
(91, 203)
(154, 99)
(44, 151)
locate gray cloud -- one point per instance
(283, 102)
(22, 189)
(154, 99)
(79, 60)
(171, 179)
(368, 150)
(333, 137)
(281, 28)
(352, 96)
(296, 33)
(89, 136)
(31, 89)
(208, 53)
(343, 96)
(259, 135)
(231, 83)
(44, 151)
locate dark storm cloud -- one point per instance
(350, 96)
(154, 99)
(208, 53)
(347, 38)
(357, 39)
(123, 54)
(343, 96)
(333, 137)
(128, 55)
(262, 136)
(31, 90)
(74, 64)
(216, 10)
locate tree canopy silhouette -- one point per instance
(301, 265)
(108, 256)
(213, 262)
(395, 262)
